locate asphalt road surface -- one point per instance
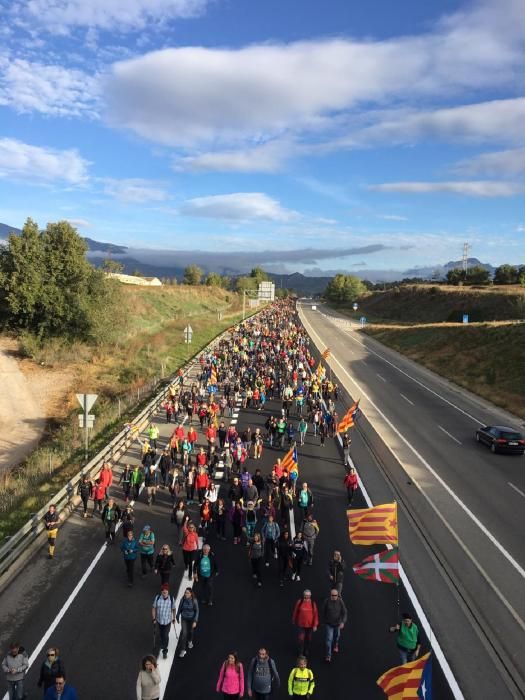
(107, 628)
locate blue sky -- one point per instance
(387, 132)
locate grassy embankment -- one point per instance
(151, 346)
(487, 357)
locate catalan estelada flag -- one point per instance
(348, 420)
(412, 680)
(320, 370)
(382, 567)
(290, 462)
(325, 354)
(377, 525)
(213, 375)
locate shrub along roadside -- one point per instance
(61, 454)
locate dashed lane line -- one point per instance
(450, 435)
(516, 489)
(406, 399)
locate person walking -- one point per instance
(334, 616)
(305, 500)
(15, 665)
(220, 514)
(231, 678)
(408, 638)
(310, 531)
(106, 478)
(110, 517)
(270, 532)
(284, 552)
(125, 480)
(262, 676)
(302, 428)
(148, 680)
(85, 488)
(336, 571)
(51, 668)
(190, 545)
(151, 483)
(51, 520)
(206, 569)
(130, 549)
(306, 618)
(164, 563)
(347, 441)
(137, 477)
(146, 549)
(351, 483)
(60, 690)
(256, 553)
(178, 516)
(301, 681)
(163, 615)
(298, 551)
(188, 615)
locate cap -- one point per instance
(164, 587)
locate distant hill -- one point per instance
(440, 271)
(5, 230)
(93, 246)
(300, 283)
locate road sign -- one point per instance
(90, 420)
(354, 306)
(87, 401)
(362, 321)
(188, 332)
(314, 308)
(465, 318)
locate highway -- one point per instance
(468, 503)
(80, 601)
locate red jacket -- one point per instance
(211, 434)
(351, 482)
(202, 481)
(305, 614)
(179, 433)
(202, 459)
(99, 492)
(106, 477)
(192, 435)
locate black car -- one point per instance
(501, 439)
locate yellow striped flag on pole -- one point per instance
(412, 680)
(326, 354)
(377, 525)
(347, 421)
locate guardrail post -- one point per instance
(34, 523)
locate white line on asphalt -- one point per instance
(406, 399)
(516, 489)
(233, 422)
(450, 435)
(417, 381)
(423, 461)
(380, 377)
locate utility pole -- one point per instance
(466, 247)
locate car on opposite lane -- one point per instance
(501, 439)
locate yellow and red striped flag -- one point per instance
(377, 525)
(290, 461)
(347, 421)
(326, 354)
(320, 370)
(213, 375)
(406, 681)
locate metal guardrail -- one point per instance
(18, 543)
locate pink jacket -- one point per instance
(231, 680)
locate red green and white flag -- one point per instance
(382, 567)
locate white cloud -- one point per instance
(392, 217)
(60, 15)
(475, 188)
(510, 163)
(192, 96)
(49, 89)
(520, 229)
(79, 223)
(34, 163)
(134, 190)
(266, 158)
(239, 206)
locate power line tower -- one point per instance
(466, 247)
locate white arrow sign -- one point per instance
(188, 329)
(89, 399)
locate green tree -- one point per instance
(113, 266)
(478, 275)
(50, 289)
(213, 279)
(506, 274)
(245, 283)
(455, 276)
(259, 275)
(344, 289)
(192, 275)
(520, 275)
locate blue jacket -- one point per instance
(130, 548)
(68, 693)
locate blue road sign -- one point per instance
(465, 318)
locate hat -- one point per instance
(165, 587)
(147, 527)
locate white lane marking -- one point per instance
(423, 461)
(417, 381)
(516, 489)
(381, 377)
(218, 475)
(450, 435)
(233, 422)
(406, 399)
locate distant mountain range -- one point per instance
(171, 263)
